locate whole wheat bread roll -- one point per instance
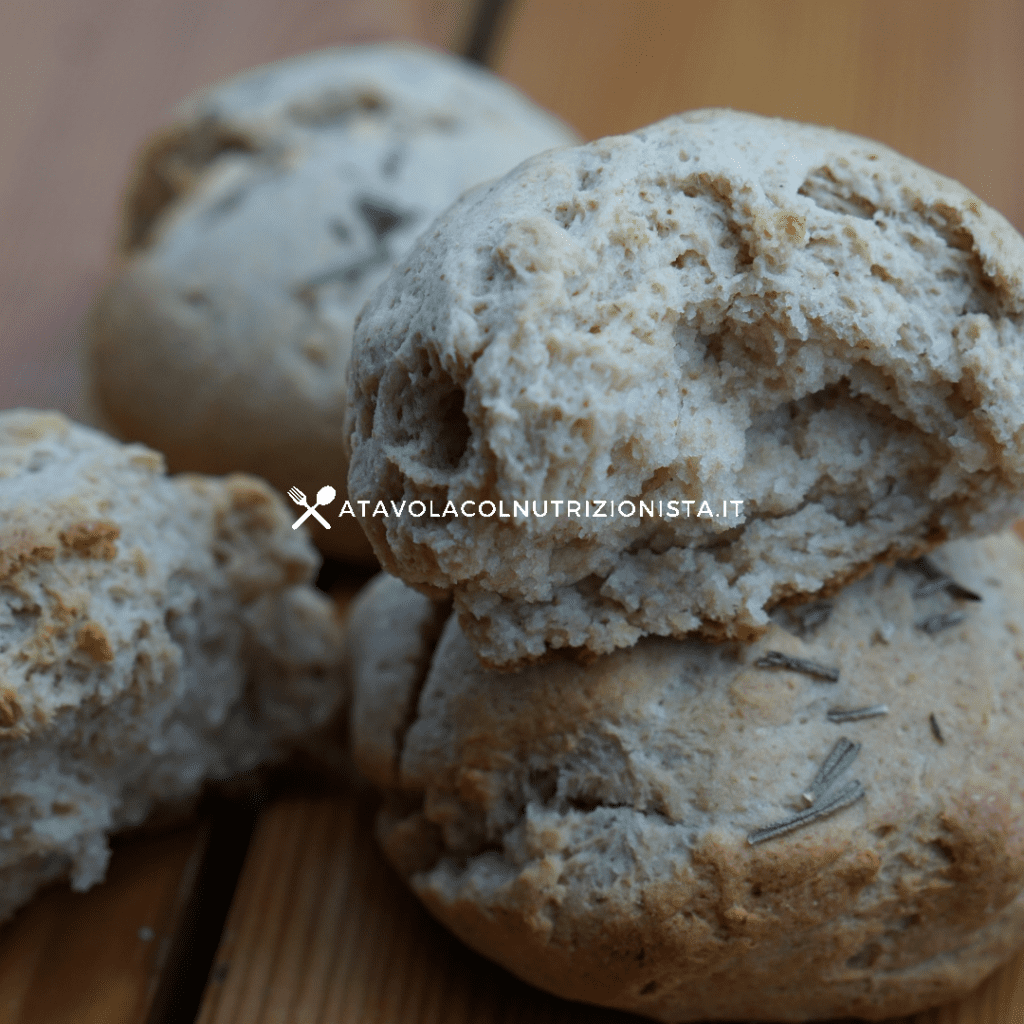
(827, 822)
(722, 308)
(256, 227)
(155, 632)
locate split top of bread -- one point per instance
(720, 308)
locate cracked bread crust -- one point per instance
(256, 227)
(155, 632)
(587, 827)
(717, 307)
(391, 633)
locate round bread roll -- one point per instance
(255, 229)
(154, 633)
(828, 822)
(815, 336)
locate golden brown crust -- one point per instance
(21, 548)
(92, 640)
(92, 539)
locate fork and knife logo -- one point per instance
(323, 497)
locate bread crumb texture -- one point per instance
(255, 228)
(155, 632)
(718, 307)
(587, 827)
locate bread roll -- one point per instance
(816, 337)
(256, 227)
(155, 632)
(827, 822)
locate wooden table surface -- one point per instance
(317, 929)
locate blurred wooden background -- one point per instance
(82, 82)
(940, 80)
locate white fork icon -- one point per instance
(323, 497)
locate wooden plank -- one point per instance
(97, 957)
(1000, 1000)
(323, 932)
(119, 953)
(87, 81)
(937, 79)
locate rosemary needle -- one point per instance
(848, 794)
(926, 568)
(856, 714)
(841, 756)
(776, 659)
(959, 590)
(936, 580)
(812, 615)
(937, 623)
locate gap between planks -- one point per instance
(98, 957)
(323, 932)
